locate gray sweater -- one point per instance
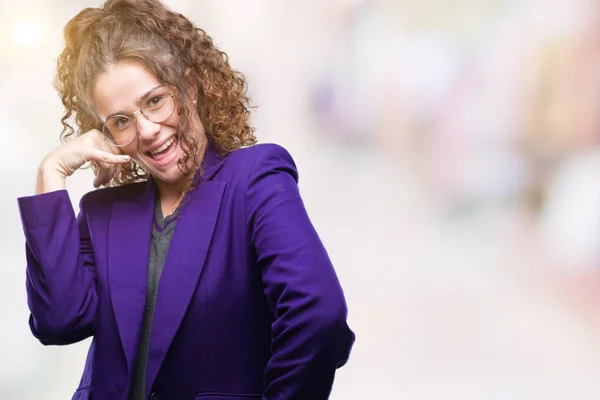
(162, 232)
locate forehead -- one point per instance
(121, 86)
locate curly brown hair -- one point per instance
(175, 51)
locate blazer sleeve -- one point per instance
(310, 336)
(61, 277)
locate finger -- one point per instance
(117, 171)
(100, 166)
(101, 156)
(101, 177)
(104, 174)
(106, 146)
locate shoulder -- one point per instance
(249, 156)
(105, 197)
(260, 158)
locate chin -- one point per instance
(170, 172)
(172, 176)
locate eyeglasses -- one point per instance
(157, 106)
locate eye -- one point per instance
(121, 122)
(118, 122)
(155, 101)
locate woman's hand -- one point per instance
(63, 161)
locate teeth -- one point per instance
(164, 146)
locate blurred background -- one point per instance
(449, 156)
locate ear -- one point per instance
(193, 90)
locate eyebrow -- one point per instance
(137, 103)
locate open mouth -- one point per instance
(164, 150)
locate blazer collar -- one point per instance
(211, 163)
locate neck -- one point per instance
(170, 196)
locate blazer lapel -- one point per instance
(182, 269)
(185, 261)
(129, 235)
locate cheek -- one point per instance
(195, 124)
(173, 121)
(132, 151)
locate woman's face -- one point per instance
(123, 89)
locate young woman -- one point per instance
(196, 270)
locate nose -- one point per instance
(147, 129)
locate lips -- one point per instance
(162, 155)
(160, 148)
(163, 147)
